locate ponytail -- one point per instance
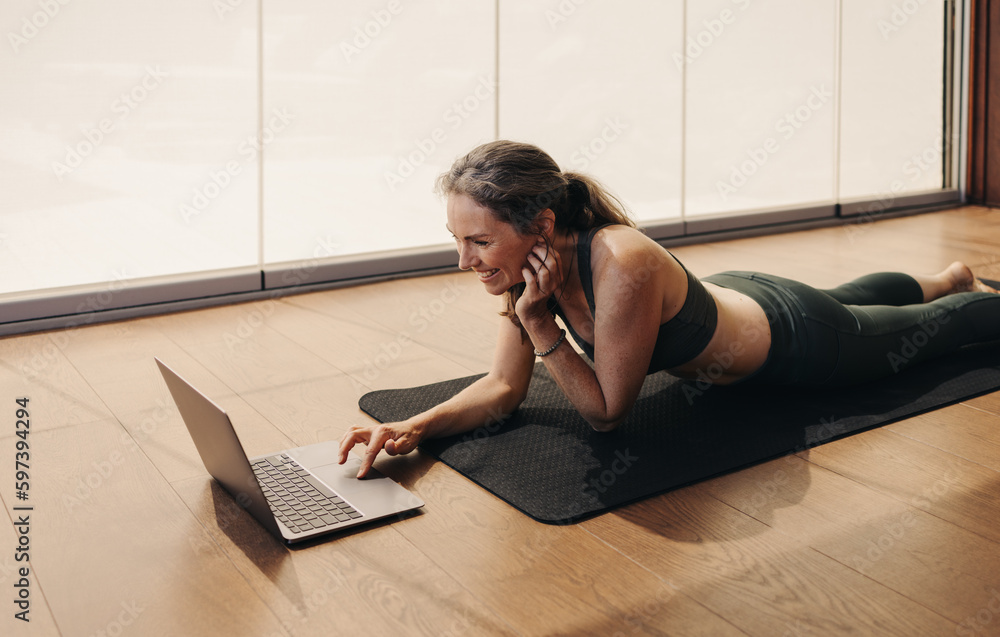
(596, 206)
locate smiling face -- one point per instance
(491, 247)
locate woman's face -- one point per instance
(492, 248)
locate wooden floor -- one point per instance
(891, 532)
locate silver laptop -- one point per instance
(296, 494)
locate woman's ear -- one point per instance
(545, 223)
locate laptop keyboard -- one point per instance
(298, 499)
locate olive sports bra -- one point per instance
(680, 339)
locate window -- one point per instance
(157, 152)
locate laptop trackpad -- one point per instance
(375, 495)
(317, 455)
(325, 454)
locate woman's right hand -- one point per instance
(542, 278)
(394, 437)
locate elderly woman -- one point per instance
(556, 243)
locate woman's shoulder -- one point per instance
(619, 251)
(624, 246)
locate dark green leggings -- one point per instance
(869, 328)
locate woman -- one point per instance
(555, 243)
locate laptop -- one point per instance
(297, 494)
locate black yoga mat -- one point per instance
(547, 462)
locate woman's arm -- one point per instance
(486, 401)
(628, 284)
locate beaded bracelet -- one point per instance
(562, 335)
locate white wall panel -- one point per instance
(117, 121)
(594, 85)
(892, 109)
(382, 97)
(761, 104)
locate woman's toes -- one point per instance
(979, 286)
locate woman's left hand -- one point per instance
(542, 277)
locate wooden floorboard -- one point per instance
(893, 542)
(113, 544)
(764, 581)
(888, 532)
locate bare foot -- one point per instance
(962, 280)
